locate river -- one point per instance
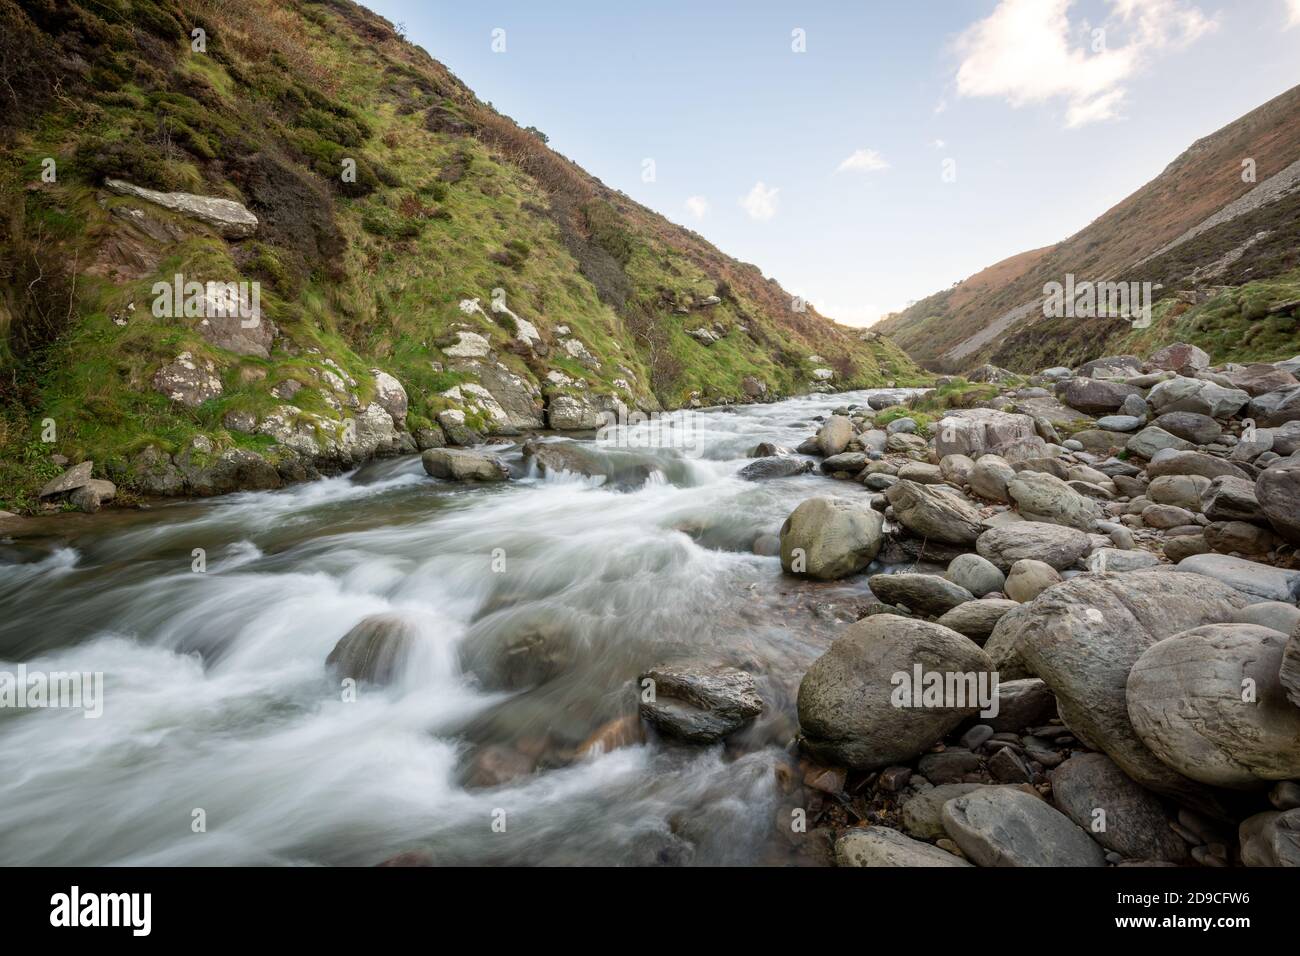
(224, 739)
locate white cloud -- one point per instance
(1292, 13)
(761, 202)
(1028, 51)
(697, 206)
(863, 161)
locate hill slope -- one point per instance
(1223, 249)
(403, 228)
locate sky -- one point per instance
(868, 154)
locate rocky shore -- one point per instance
(1133, 588)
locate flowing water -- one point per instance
(225, 739)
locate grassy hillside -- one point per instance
(991, 316)
(450, 200)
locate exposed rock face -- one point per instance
(375, 650)
(846, 700)
(1083, 637)
(455, 464)
(391, 396)
(700, 704)
(1208, 702)
(1004, 826)
(881, 846)
(827, 538)
(234, 469)
(935, 514)
(229, 218)
(571, 413)
(1134, 824)
(188, 381)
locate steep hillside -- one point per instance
(1201, 230)
(404, 230)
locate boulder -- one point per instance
(375, 649)
(1114, 560)
(1094, 396)
(1119, 423)
(977, 431)
(1041, 497)
(1270, 839)
(455, 464)
(1257, 582)
(521, 647)
(1257, 379)
(851, 462)
(573, 413)
(1208, 702)
(233, 469)
(828, 538)
(1111, 366)
(1276, 408)
(73, 478)
(1131, 821)
(699, 704)
(1029, 578)
(976, 574)
(1004, 826)
(1182, 491)
(976, 619)
(1082, 638)
(956, 469)
(927, 593)
(1278, 615)
(775, 466)
(1191, 463)
(1277, 489)
(1052, 544)
(881, 846)
(1153, 439)
(1025, 702)
(922, 813)
(1228, 498)
(1179, 357)
(1196, 395)
(847, 710)
(1195, 428)
(1289, 673)
(834, 436)
(931, 512)
(1240, 537)
(989, 478)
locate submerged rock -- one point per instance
(700, 704)
(460, 465)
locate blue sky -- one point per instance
(1046, 122)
